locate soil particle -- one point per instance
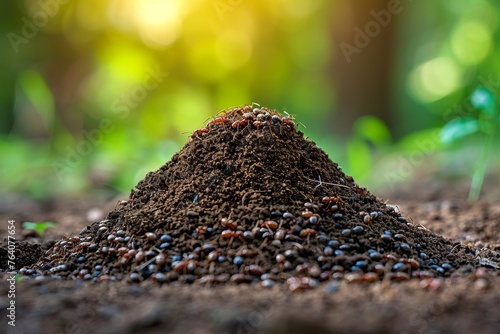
(249, 199)
(25, 254)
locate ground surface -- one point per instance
(460, 305)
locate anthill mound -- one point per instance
(247, 199)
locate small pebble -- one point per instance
(361, 264)
(346, 232)
(375, 256)
(151, 236)
(134, 277)
(446, 266)
(267, 283)
(345, 247)
(166, 238)
(334, 243)
(164, 245)
(386, 237)
(160, 277)
(276, 214)
(405, 247)
(358, 229)
(280, 258)
(328, 251)
(398, 266)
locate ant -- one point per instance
(258, 124)
(308, 232)
(269, 224)
(196, 133)
(288, 120)
(328, 200)
(228, 223)
(218, 120)
(237, 124)
(248, 115)
(190, 265)
(361, 190)
(226, 234)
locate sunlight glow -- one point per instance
(159, 21)
(233, 50)
(434, 79)
(471, 42)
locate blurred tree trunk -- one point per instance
(363, 63)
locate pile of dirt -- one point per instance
(247, 199)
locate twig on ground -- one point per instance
(320, 183)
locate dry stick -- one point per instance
(320, 183)
(142, 266)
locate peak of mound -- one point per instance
(248, 198)
(244, 158)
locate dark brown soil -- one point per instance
(251, 176)
(250, 199)
(460, 305)
(25, 254)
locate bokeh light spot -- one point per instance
(233, 50)
(471, 42)
(434, 79)
(159, 21)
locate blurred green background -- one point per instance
(96, 93)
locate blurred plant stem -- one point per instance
(479, 174)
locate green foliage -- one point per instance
(483, 100)
(52, 97)
(485, 121)
(39, 227)
(39, 95)
(369, 134)
(458, 128)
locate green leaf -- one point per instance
(38, 227)
(458, 128)
(373, 129)
(359, 158)
(483, 100)
(40, 96)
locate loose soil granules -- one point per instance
(247, 199)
